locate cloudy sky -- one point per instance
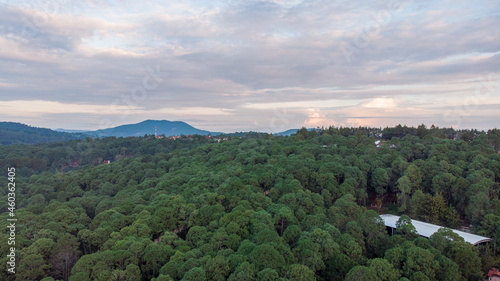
(235, 65)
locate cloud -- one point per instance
(250, 59)
(7, 85)
(381, 103)
(334, 103)
(317, 118)
(195, 111)
(40, 108)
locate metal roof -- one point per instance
(427, 229)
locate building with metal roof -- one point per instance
(427, 229)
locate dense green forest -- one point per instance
(72, 155)
(255, 207)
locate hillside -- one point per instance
(164, 127)
(75, 154)
(17, 133)
(14, 133)
(287, 132)
(261, 207)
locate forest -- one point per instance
(255, 206)
(15, 133)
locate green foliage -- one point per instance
(244, 272)
(361, 273)
(384, 270)
(32, 267)
(217, 268)
(300, 272)
(195, 274)
(267, 274)
(255, 208)
(266, 256)
(380, 179)
(406, 228)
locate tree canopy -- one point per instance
(255, 207)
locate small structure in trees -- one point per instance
(494, 274)
(427, 229)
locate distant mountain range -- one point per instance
(12, 133)
(287, 132)
(164, 127)
(70, 131)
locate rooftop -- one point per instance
(493, 272)
(427, 229)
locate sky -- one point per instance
(237, 65)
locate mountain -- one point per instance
(287, 132)
(164, 127)
(14, 133)
(70, 131)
